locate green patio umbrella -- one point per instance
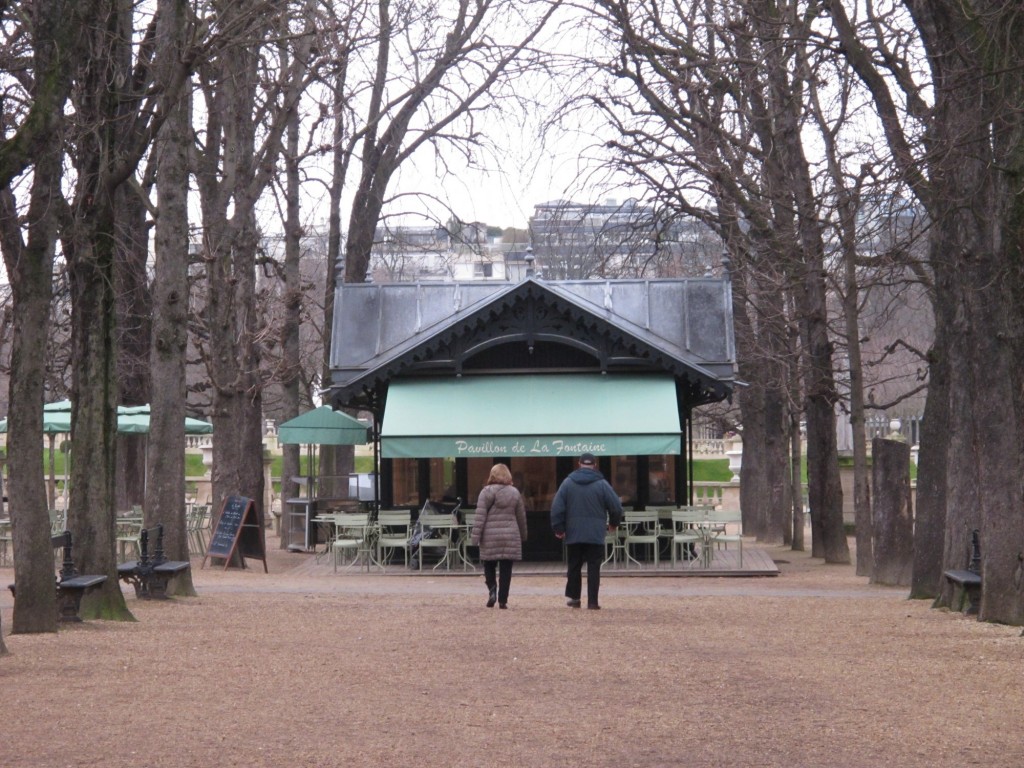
(56, 418)
(134, 420)
(131, 420)
(323, 426)
(54, 423)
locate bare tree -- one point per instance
(53, 36)
(422, 78)
(461, 63)
(248, 101)
(961, 154)
(716, 136)
(289, 372)
(165, 468)
(116, 118)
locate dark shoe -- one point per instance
(503, 606)
(572, 603)
(593, 607)
(492, 598)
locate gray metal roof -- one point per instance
(688, 320)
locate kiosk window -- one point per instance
(405, 473)
(623, 478)
(536, 481)
(662, 479)
(442, 479)
(477, 471)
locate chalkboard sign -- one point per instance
(238, 530)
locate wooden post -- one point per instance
(892, 514)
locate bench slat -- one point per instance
(82, 582)
(172, 566)
(964, 577)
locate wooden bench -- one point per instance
(71, 587)
(151, 575)
(967, 583)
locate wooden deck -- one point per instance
(724, 563)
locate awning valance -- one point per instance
(531, 415)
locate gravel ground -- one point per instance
(304, 668)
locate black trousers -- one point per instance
(593, 556)
(504, 577)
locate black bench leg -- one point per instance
(158, 587)
(138, 584)
(972, 595)
(966, 599)
(68, 603)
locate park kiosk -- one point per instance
(458, 375)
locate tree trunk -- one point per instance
(777, 519)
(796, 446)
(862, 515)
(90, 246)
(753, 474)
(135, 310)
(94, 398)
(893, 516)
(796, 486)
(291, 368)
(30, 270)
(229, 186)
(237, 412)
(963, 510)
(824, 490)
(762, 354)
(930, 514)
(753, 491)
(977, 152)
(165, 479)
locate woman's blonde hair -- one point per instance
(499, 475)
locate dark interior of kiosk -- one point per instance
(640, 481)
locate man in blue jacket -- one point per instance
(584, 508)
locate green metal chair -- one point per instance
(686, 531)
(352, 532)
(719, 534)
(641, 528)
(393, 533)
(444, 524)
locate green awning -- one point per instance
(322, 426)
(535, 415)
